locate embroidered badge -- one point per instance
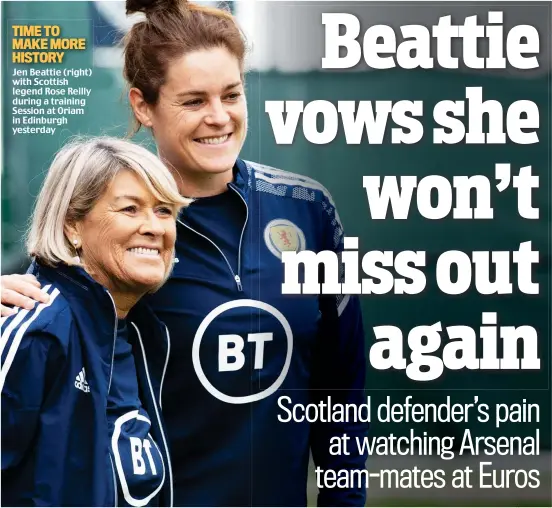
(283, 235)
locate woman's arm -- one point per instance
(339, 372)
(30, 363)
(20, 291)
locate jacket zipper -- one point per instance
(114, 481)
(237, 276)
(164, 368)
(109, 388)
(152, 394)
(238, 280)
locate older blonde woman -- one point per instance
(81, 422)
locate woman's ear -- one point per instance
(141, 109)
(73, 236)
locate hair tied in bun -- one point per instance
(147, 6)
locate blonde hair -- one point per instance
(78, 176)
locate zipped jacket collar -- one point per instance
(100, 317)
(242, 178)
(241, 184)
(78, 287)
(75, 281)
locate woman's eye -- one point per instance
(233, 96)
(165, 210)
(129, 209)
(193, 102)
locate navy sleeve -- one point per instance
(340, 373)
(30, 361)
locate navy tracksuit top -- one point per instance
(57, 369)
(238, 345)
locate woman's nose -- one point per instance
(152, 225)
(217, 114)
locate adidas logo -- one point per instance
(81, 383)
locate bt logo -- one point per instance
(231, 346)
(232, 350)
(138, 462)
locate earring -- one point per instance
(76, 259)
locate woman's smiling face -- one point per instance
(127, 239)
(200, 119)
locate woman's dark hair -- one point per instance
(172, 29)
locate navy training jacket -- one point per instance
(240, 346)
(55, 378)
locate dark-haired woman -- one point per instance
(243, 354)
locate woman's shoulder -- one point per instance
(52, 318)
(281, 182)
(31, 335)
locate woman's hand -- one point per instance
(20, 291)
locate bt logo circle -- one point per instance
(231, 357)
